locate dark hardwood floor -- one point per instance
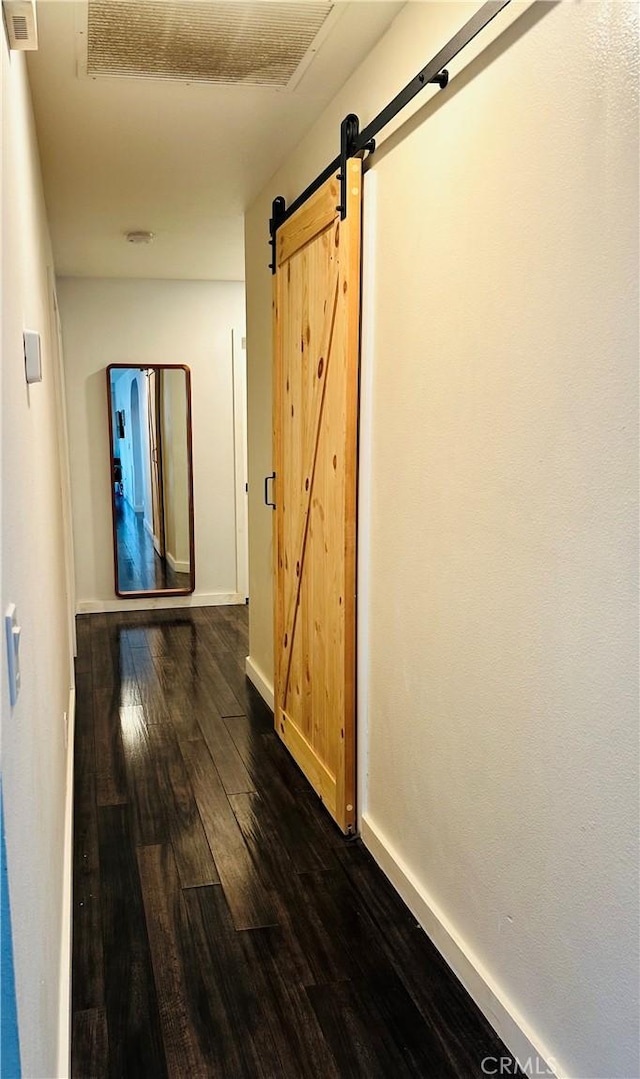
(222, 925)
(140, 569)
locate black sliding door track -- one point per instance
(354, 142)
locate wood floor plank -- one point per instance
(151, 695)
(183, 711)
(279, 836)
(259, 828)
(362, 1042)
(169, 669)
(200, 664)
(465, 1035)
(143, 664)
(189, 1049)
(88, 961)
(128, 689)
(103, 664)
(111, 776)
(147, 635)
(135, 1040)
(280, 869)
(217, 682)
(278, 780)
(84, 761)
(235, 777)
(90, 1044)
(293, 1023)
(83, 644)
(231, 663)
(331, 901)
(177, 804)
(148, 819)
(195, 715)
(248, 899)
(265, 757)
(239, 1009)
(233, 626)
(208, 620)
(257, 710)
(278, 872)
(182, 706)
(111, 657)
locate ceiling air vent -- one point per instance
(20, 21)
(259, 44)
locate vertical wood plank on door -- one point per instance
(316, 360)
(351, 288)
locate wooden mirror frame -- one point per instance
(161, 591)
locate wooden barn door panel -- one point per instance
(316, 354)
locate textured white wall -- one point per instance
(502, 625)
(34, 757)
(135, 321)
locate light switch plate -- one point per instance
(32, 356)
(12, 630)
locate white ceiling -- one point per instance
(182, 160)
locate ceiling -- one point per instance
(183, 160)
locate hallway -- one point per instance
(284, 954)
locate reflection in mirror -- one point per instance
(152, 483)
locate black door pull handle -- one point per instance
(266, 490)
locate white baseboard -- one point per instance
(490, 998)
(64, 1028)
(159, 603)
(260, 681)
(176, 565)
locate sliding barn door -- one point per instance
(316, 354)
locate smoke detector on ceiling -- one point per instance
(20, 21)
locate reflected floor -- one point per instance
(140, 569)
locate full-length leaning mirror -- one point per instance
(151, 479)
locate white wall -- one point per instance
(34, 757)
(144, 322)
(499, 647)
